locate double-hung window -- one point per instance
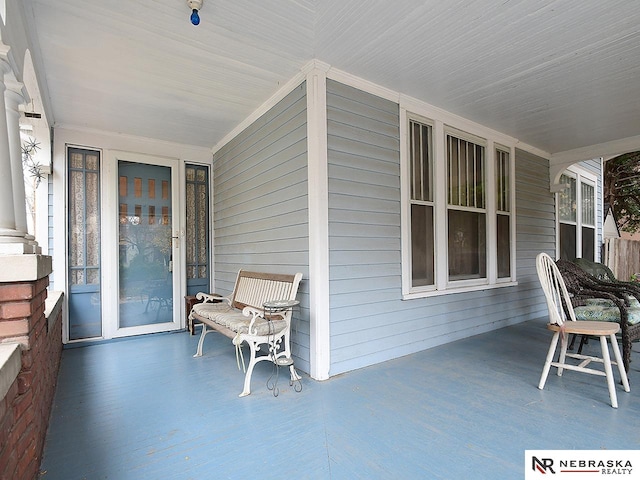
(459, 229)
(422, 204)
(577, 216)
(466, 209)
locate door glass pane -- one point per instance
(145, 263)
(197, 235)
(85, 318)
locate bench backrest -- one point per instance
(252, 289)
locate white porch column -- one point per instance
(13, 99)
(12, 240)
(8, 232)
(320, 321)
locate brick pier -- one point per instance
(31, 338)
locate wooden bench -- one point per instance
(241, 317)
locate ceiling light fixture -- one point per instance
(195, 5)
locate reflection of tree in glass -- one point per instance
(145, 252)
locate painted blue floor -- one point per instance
(143, 408)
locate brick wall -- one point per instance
(24, 412)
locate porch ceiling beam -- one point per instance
(560, 161)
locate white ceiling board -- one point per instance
(556, 74)
(147, 71)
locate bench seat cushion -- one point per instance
(233, 319)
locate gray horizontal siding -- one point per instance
(260, 213)
(535, 227)
(370, 322)
(364, 223)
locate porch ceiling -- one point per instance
(557, 75)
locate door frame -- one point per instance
(54, 242)
(110, 251)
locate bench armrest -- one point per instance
(212, 298)
(256, 313)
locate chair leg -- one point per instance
(547, 362)
(608, 371)
(584, 340)
(618, 357)
(564, 341)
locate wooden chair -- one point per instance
(562, 322)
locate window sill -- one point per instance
(474, 288)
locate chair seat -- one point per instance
(606, 312)
(586, 328)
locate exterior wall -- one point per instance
(25, 408)
(261, 222)
(260, 206)
(369, 321)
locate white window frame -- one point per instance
(581, 175)
(442, 124)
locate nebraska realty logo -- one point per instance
(582, 464)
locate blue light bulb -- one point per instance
(195, 18)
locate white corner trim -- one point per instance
(404, 101)
(315, 65)
(282, 92)
(452, 120)
(320, 347)
(533, 150)
(427, 110)
(364, 85)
